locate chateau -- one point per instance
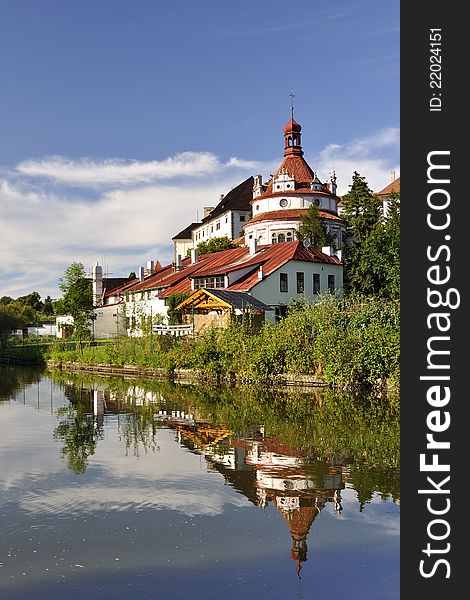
(267, 269)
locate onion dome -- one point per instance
(292, 127)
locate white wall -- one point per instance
(229, 224)
(261, 205)
(141, 306)
(268, 290)
(109, 322)
(181, 247)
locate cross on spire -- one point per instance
(292, 95)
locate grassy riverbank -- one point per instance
(339, 341)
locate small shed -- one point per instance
(206, 307)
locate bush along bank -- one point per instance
(345, 342)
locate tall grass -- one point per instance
(341, 341)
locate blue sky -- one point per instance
(120, 119)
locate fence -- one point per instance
(173, 330)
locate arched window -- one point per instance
(281, 237)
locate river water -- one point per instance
(117, 489)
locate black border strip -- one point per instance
(423, 401)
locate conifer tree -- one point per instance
(313, 229)
(371, 259)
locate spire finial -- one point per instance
(292, 104)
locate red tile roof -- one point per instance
(271, 257)
(390, 188)
(278, 255)
(297, 168)
(289, 213)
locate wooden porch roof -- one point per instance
(221, 299)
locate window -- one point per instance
(242, 218)
(281, 237)
(209, 282)
(331, 283)
(316, 202)
(283, 283)
(316, 283)
(300, 283)
(217, 226)
(284, 202)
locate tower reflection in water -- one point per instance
(265, 470)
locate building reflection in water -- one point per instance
(262, 468)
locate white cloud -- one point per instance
(114, 172)
(369, 156)
(121, 496)
(57, 211)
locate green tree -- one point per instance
(385, 248)
(174, 316)
(371, 253)
(215, 245)
(78, 300)
(77, 430)
(132, 276)
(313, 229)
(362, 209)
(48, 306)
(33, 300)
(14, 315)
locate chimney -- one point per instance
(207, 210)
(392, 176)
(260, 272)
(328, 250)
(141, 274)
(97, 285)
(253, 245)
(179, 265)
(193, 256)
(150, 266)
(339, 254)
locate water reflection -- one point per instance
(264, 463)
(293, 454)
